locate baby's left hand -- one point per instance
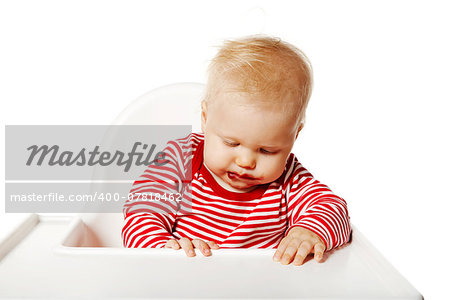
(297, 245)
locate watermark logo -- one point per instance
(53, 156)
(93, 168)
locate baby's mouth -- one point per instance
(235, 176)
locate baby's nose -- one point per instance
(246, 161)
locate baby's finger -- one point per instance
(212, 245)
(172, 243)
(319, 249)
(290, 251)
(280, 250)
(302, 252)
(203, 246)
(187, 246)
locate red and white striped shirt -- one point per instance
(205, 210)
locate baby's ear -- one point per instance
(300, 127)
(204, 112)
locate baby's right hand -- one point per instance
(188, 246)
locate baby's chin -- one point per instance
(242, 189)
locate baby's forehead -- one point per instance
(264, 127)
(282, 112)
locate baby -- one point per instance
(238, 184)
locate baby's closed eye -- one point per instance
(261, 150)
(231, 144)
(264, 151)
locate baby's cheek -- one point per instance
(215, 161)
(276, 169)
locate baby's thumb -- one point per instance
(318, 252)
(213, 245)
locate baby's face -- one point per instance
(246, 144)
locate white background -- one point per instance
(377, 129)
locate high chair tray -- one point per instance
(39, 266)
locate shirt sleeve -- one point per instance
(151, 209)
(312, 205)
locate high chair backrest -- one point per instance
(182, 100)
(174, 104)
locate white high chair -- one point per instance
(83, 257)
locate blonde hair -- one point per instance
(262, 65)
